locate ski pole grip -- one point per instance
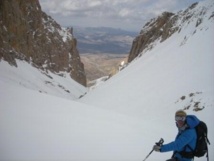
(160, 142)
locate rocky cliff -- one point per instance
(29, 34)
(162, 27)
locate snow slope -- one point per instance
(151, 87)
(181, 65)
(27, 76)
(122, 118)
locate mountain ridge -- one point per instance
(165, 25)
(102, 40)
(37, 39)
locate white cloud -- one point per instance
(95, 3)
(124, 12)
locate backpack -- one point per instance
(201, 143)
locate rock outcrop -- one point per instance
(27, 33)
(159, 29)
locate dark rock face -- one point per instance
(29, 34)
(159, 29)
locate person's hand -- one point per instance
(156, 148)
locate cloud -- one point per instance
(130, 12)
(94, 8)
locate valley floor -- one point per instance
(100, 65)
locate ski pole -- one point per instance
(158, 143)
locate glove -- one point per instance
(156, 148)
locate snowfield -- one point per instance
(119, 120)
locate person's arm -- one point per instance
(180, 142)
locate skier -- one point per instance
(185, 139)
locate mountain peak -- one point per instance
(37, 39)
(165, 25)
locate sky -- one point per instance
(121, 119)
(125, 14)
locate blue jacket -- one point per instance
(184, 137)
